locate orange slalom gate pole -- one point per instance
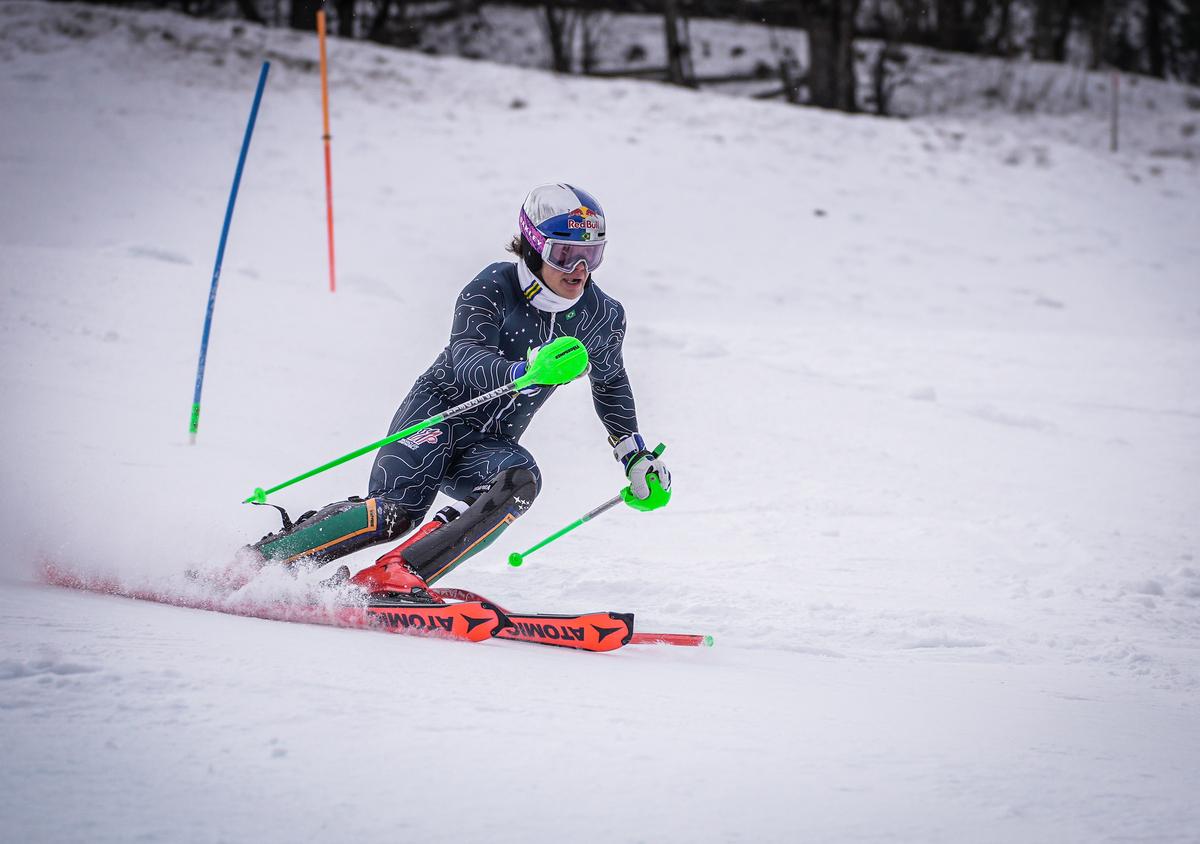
(326, 137)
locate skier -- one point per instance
(501, 319)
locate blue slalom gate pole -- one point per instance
(212, 293)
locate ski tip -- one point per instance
(257, 497)
(707, 641)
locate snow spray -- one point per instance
(212, 293)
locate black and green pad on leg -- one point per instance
(334, 531)
(511, 494)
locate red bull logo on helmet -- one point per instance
(583, 218)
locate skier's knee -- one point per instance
(521, 485)
(496, 504)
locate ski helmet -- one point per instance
(561, 225)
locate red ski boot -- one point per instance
(392, 579)
(395, 582)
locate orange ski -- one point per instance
(596, 631)
(473, 621)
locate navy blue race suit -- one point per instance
(494, 326)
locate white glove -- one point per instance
(639, 463)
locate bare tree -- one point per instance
(558, 32)
(830, 26)
(791, 76)
(951, 25)
(345, 18)
(1051, 23)
(1002, 42)
(379, 24)
(679, 59)
(889, 65)
(250, 11)
(304, 14)
(1097, 16)
(1156, 62)
(592, 28)
(1187, 63)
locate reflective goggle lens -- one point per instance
(565, 256)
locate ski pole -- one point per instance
(559, 362)
(515, 559)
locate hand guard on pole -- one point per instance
(649, 479)
(523, 366)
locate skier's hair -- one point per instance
(524, 250)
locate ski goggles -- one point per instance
(563, 255)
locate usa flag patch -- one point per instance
(429, 435)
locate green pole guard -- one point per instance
(558, 362)
(658, 496)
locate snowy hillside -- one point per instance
(930, 399)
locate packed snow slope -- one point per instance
(929, 395)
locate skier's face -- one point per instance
(568, 285)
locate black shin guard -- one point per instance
(510, 494)
(334, 531)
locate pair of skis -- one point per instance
(467, 617)
(476, 619)
(597, 631)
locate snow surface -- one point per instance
(930, 400)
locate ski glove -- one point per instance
(649, 479)
(521, 367)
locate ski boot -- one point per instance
(390, 580)
(333, 531)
